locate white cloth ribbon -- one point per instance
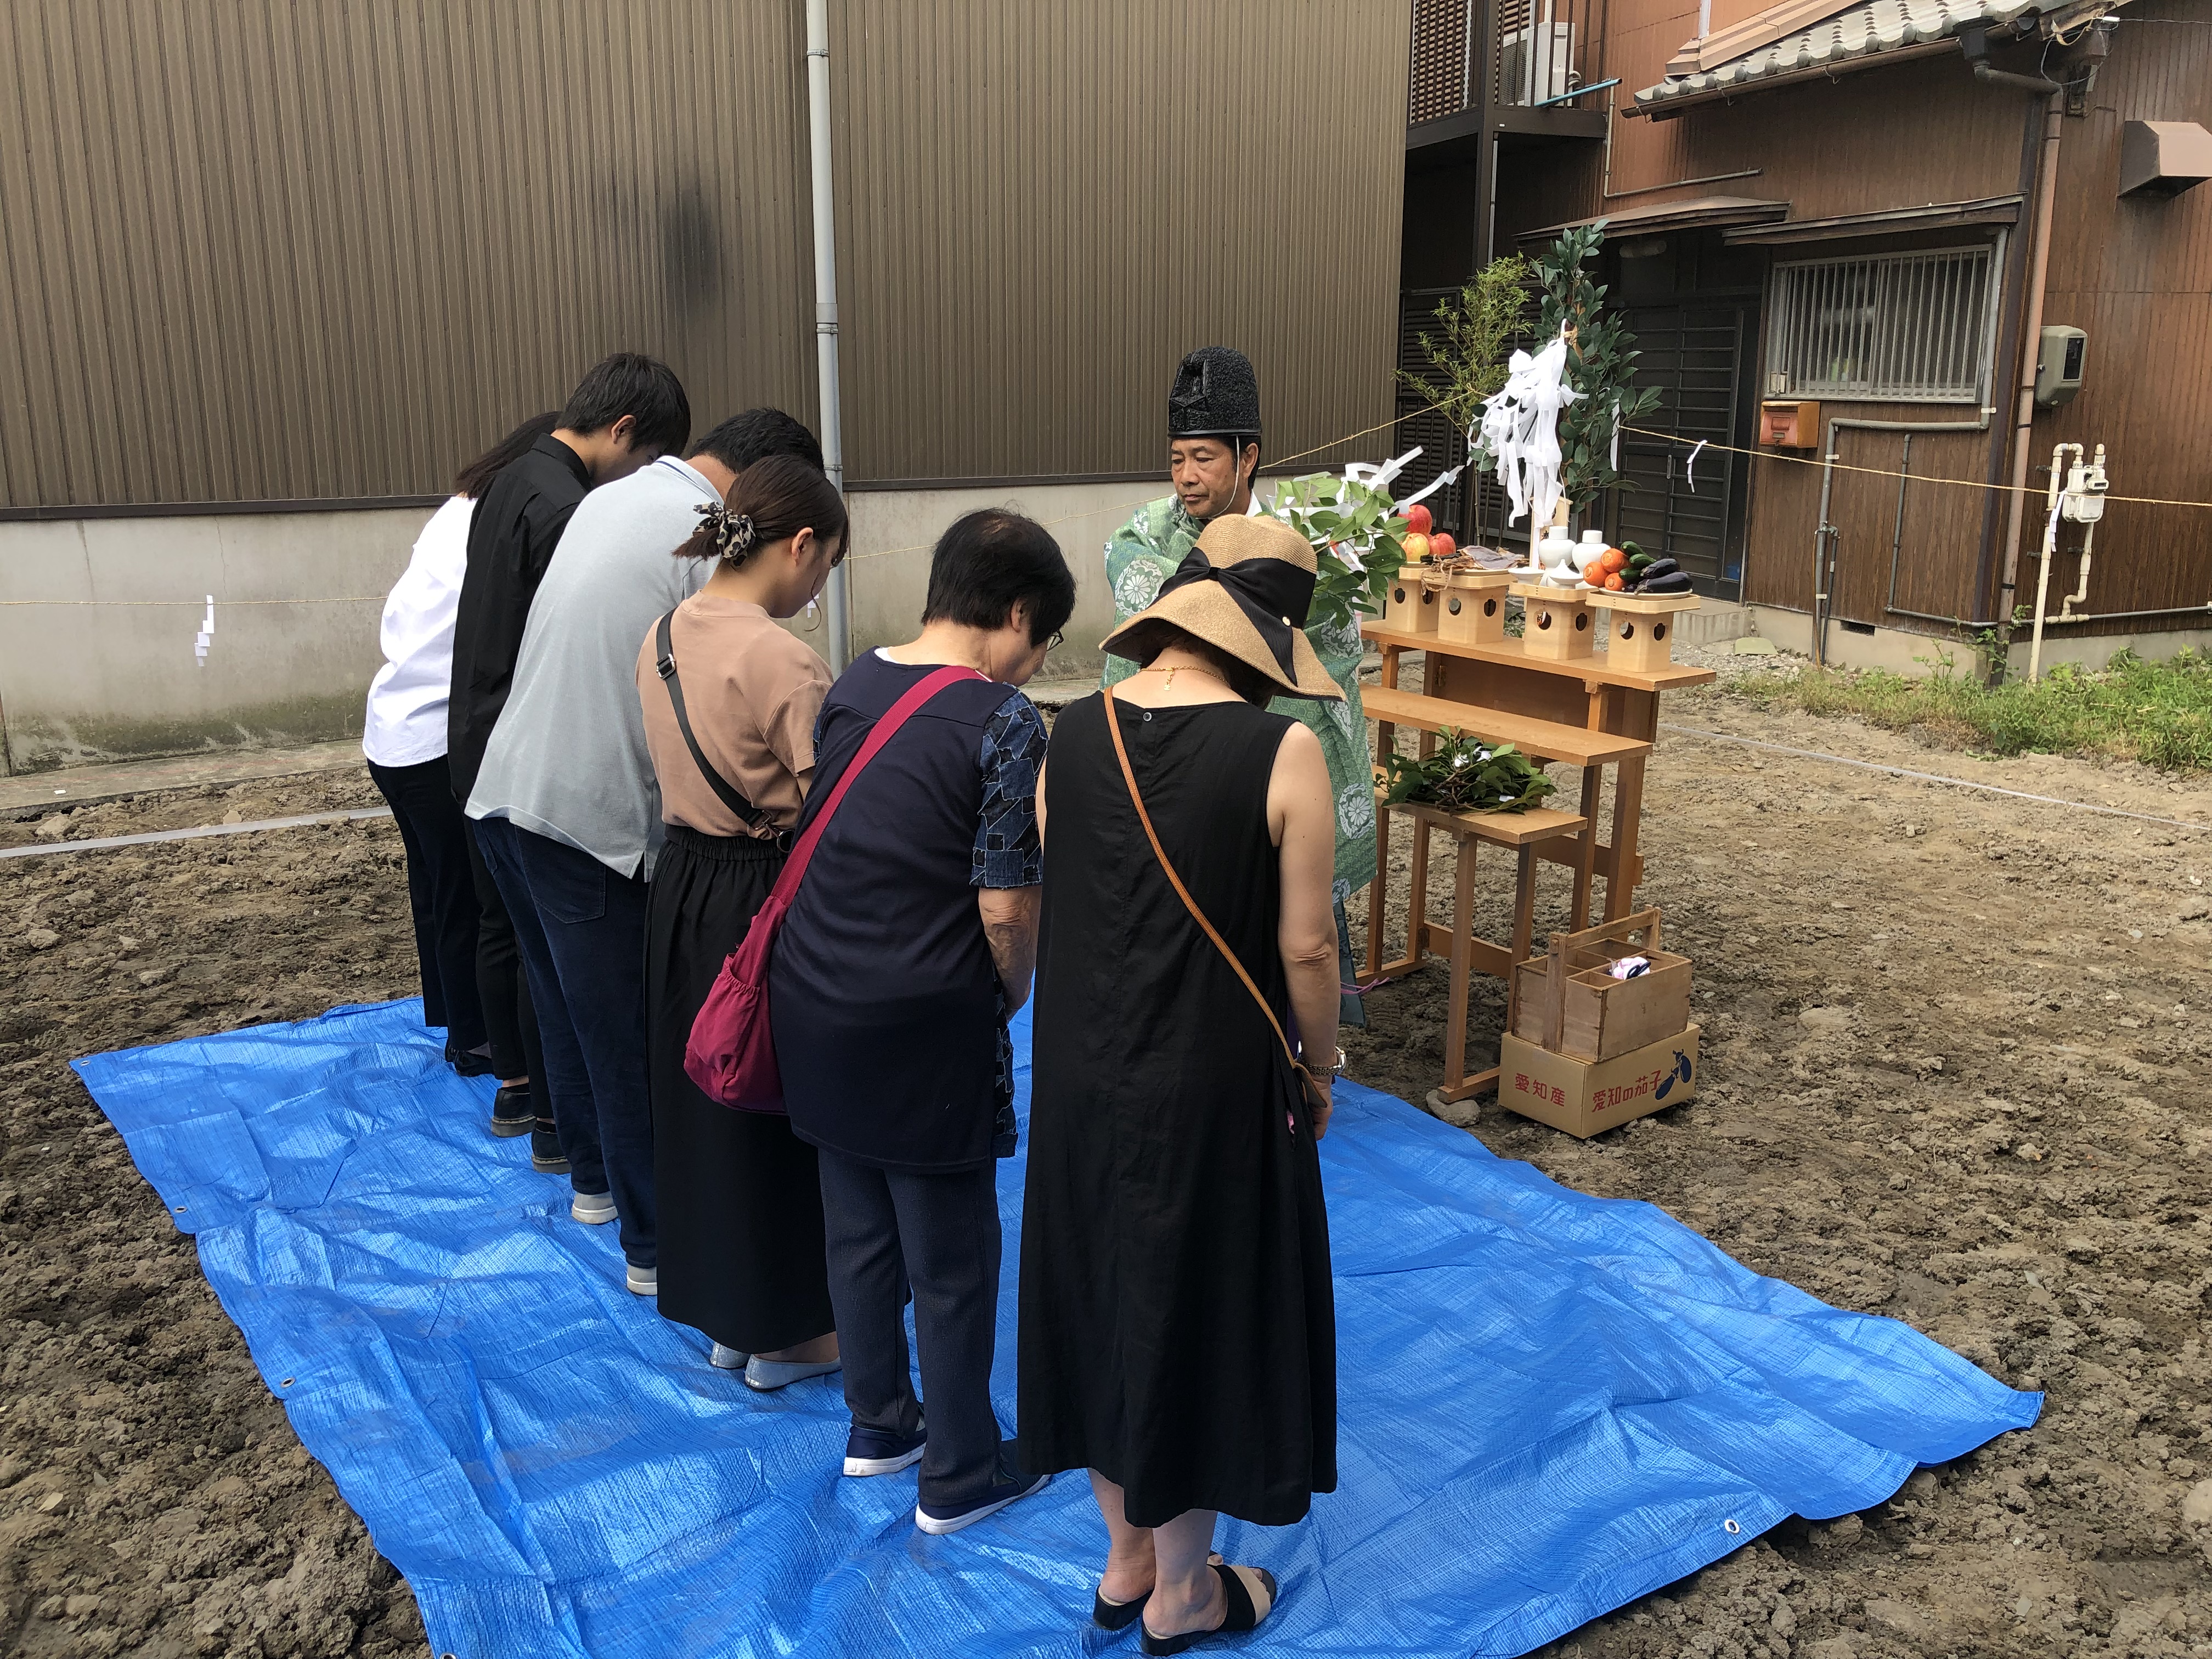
(205, 637)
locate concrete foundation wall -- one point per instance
(106, 674)
(1904, 653)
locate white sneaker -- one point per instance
(937, 1522)
(642, 1281)
(592, 1209)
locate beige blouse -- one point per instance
(752, 692)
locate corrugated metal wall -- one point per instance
(259, 250)
(266, 251)
(1043, 207)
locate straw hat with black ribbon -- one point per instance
(1245, 590)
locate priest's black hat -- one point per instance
(1216, 394)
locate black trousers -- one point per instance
(441, 894)
(938, 1233)
(582, 932)
(503, 988)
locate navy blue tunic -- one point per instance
(890, 1027)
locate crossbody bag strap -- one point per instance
(663, 664)
(794, 867)
(1137, 799)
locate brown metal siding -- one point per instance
(262, 250)
(259, 251)
(2136, 275)
(1041, 208)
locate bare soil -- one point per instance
(1954, 1075)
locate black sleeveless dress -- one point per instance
(1177, 1323)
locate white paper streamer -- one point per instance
(1519, 428)
(1689, 467)
(205, 637)
(1432, 486)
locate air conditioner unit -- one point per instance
(1538, 63)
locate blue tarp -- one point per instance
(1551, 1404)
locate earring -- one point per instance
(813, 614)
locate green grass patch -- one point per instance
(2157, 712)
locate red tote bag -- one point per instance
(732, 1053)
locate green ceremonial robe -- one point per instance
(1143, 553)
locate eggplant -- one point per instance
(1661, 567)
(1678, 582)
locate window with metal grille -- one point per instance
(1893, 327)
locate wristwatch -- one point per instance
(1336, 1067)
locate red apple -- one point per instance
(1418, 520)
(1442, 546)
(1416, 546)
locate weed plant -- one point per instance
(2157, 712)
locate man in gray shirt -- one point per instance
(568, 814)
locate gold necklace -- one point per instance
(1168, 684)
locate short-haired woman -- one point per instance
(483, 1004)
(739, 1199)
(1177, 1322)
(909, 942)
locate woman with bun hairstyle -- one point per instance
(740, 1202)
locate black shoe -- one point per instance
(467, 1064)
(545, 1154)
(1250, 1593)
(511, 1111)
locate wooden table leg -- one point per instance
(1463, 960)
(1417, 902)
(1378, 892)
(1586, 847)
(1627, 814)
(1524, 928)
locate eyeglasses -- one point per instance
(1056, 642)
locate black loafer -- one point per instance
(466, 1064)
(546, 1154)
(511, 1111)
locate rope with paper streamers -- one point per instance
(1891, 472)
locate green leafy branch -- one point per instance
(1600, 365)
(1355, 531)
(1466, 775)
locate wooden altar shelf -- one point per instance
(1546, 740)
(1593, 670)
(1524, 832)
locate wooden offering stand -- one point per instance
(1566, 706)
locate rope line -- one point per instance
(1883, 472)
(201, 605)
(1932, 777)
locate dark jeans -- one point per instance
(581, 928)
(503, 988)
(441, 894)
(940, 1233)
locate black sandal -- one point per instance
(1250, 1592)
(1117, 1615)
(1120, 1615)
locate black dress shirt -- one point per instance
(511, 535)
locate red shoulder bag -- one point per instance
(732, 1053)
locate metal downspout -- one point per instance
(838, 593)
(2030, 343)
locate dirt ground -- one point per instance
(1954, 1075)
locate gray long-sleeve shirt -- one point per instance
(568, 759)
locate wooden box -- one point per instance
(1411, 608)
(1566, 1000)
(1642, 629)
(1790, 426)
(1558, 621)
(1586, 1098)
(1473, 608)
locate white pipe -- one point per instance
(2050, 552)
(2080, 593)
(838, 593)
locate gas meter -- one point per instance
(2084, 500)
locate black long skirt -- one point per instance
(741, 1241)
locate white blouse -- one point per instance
(406, 722)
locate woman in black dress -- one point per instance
(1177, 1326)
(740, 1206)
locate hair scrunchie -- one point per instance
(733, 532)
